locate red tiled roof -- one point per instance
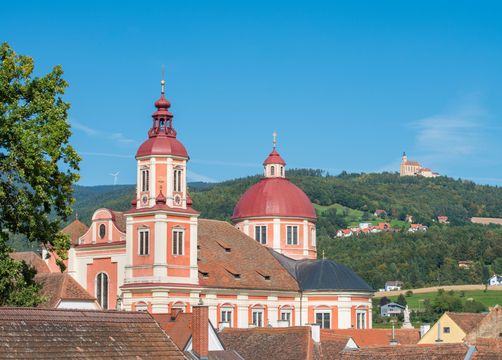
(270, 343)
(274, 158)
(412, 163)
(29, 333)
(119, 219)
(244, 257)
(61, 286)
(32, 259)
(415, 352)
(75, 229)
(376, 337)
(179, 327)
(466, 321)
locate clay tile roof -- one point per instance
(61, 286)
(270, 343)
(75, 229)
(178, 328)
(119, 220)
(245, 257)
(29, 333)
(415, 352)
(412, 163)
(376, 337)
(32, 259)
(466, 321)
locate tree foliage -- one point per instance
(37, 167)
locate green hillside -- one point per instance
(417, 259)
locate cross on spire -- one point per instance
(275, 138)
(162, 82)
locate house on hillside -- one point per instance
(417, 227)
(393, 285)
(443, 220)
(495, 280)
(391, 309)
(344, 233)
(380, 213)
(465, 264)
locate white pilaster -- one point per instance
(153, 181)
(305, 238)
(277, 235)
(194, 276)
(344, 319)
(160, 249)
(110, 232)
(129, 246)
(170, 182)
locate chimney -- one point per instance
(200, 333)
(315, 330)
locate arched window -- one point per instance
(272, 170)
(102, 290)
(102, 231)
(282, 170)
(179, 306)
(258, 316)
(226, 314)
(142, 306)
(145, 179)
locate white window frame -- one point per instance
(313, 236)
(258, 317)
(101, 294)
(142, 241)
(227, 314)
(286, 314)
(323, 320)
(291, 231)
(145, 179)
(177, 180)
(176, 240)
(259, 234)
(361, 319)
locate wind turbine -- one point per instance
(115, 177)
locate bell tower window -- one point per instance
(145, 179)
(177, 180)
(272, 170)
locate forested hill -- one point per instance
(423, 198)
(417, 259)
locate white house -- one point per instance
(495, 280)
(393, 285)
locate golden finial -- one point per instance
(275, 138)
(162, 82)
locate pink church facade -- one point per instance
(159, 255)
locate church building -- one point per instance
(160, 256)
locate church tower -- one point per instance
(161, 225)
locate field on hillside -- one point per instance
(488, 298)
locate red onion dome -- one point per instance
(274, 158)
(274, 197)
(162, 145)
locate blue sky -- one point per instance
(347, 85)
